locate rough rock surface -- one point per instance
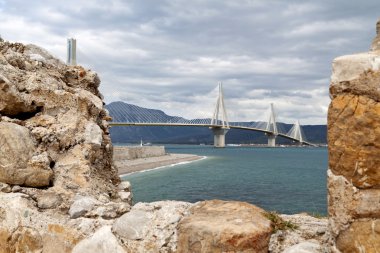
(48, 200)
(221, 226)
(310, 235)
(55, 146)
(102, 241)
(25, 229)
(18, 165)
(82, 205)
(361, 236)
(304, 247)
(151, 227)
(354, 148)
(57, 113)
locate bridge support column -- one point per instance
(219, 137)
(271, 140)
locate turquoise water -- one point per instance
(288, 180)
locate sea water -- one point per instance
(285, 179)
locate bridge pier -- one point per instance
(219, 136)
(271, 140)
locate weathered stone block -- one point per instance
(367, 203)
(102, 241)
(151, 227)
(82, 205)
(17, 165)
(361, 236)
(354, 139)
(48, 200)
(224, 226)
(340, 202)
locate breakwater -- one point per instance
(136, 152)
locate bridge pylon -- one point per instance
(272, 127)
(219, 121)
(297, 133)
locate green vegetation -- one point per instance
(279, 223)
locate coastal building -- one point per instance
(71, 52)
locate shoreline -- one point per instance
(126, 167)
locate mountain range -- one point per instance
(189, 135)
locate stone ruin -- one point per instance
(56, 168)
(354, 152)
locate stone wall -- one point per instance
(354, 152)
(129, 153)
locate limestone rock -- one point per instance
(61, 238)
(131, 226)
(110, 211)
(309, 230)
(17, 165)
(126, 196)
(93, 134)
(5, 188)
(16, 188)
(367, 203)
(346, 69)
(25, 229)
(102, 241)
(125, 186)
(305, 247)
(346, 202)
(48, 200)
(11, 104)
(151, 227)
(25, 240)
(340, 202)
(361, 236)
(82, 205)
(354, 139)
(17, 146)
(216, 226)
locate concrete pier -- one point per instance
(271, 140)
(219, 136)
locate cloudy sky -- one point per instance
(170, 54)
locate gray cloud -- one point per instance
(170, 54)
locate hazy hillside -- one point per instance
(188, 135)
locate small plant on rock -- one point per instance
(279, 223)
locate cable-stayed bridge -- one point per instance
(218, 123)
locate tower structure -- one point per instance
(272, 127)
(71, 52)
(220, 121)
(297, 133)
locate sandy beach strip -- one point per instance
(141, 164)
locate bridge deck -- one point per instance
(210, 126)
